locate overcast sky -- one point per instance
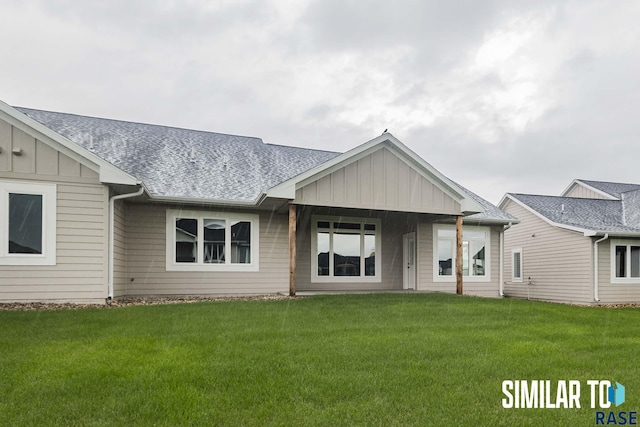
(500, 96)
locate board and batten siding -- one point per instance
(580, 191)
(80, 273)
(146, 259)
(609, 292)
(393, 226)
(426, 265)
(380, 180)
(556, 263)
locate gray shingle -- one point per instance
(174, 162)
(590, 214)
(614, 189)
(191, 164)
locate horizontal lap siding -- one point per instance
(119, 249)
(426, 281)
(80, 273)
(580, 191)
(557, 261)
(146, 259)
(613, 292)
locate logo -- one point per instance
(616, 395)
(567, 394)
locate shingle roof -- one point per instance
(491, 213)
(587, 214)
(183, 163)
(192, 164)
(614, 189)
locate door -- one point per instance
(409, 261)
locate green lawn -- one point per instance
(384, 359)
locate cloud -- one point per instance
(499, 95)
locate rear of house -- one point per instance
(129, 209)
(580, 247)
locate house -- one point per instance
(92, 209)
(580, 247)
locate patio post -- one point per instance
(292, 250)
(459, 255)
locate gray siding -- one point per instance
(613, 292)
(393, 226)
(146, 259)
(380, 180)
(426, 280)
(580, 191)
(80, 273)
(120, 249)
(558, 262)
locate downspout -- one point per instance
(111, 234)
(505, 228)
(596, 297)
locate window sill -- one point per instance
(346, 279)
(214, 267)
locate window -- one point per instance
(344, 249)
(27, 223)
(475, 253)
(204, 241)
(516, 265)
(625, 260)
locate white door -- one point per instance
(409, 261)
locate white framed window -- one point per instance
(212, 241)
(27, 223)
(516, 265)
(476, 251)
(625, 261)
(345, 249)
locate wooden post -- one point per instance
(292, 250)
(459, 255)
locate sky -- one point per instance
(499, 95)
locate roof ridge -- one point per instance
(303, 148)
(137, 123)
(607, 182)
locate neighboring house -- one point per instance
(93, 208)
(580, 247)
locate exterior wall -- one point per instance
(380, 180)
(613, 292)
(146, 259)
(393, 226)
(580, 191)
(556, 263)
(80, 273)
(120, 249)
(426, 282)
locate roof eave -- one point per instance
(108, 173)
(287, 189)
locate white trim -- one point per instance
(406, 276)
(229, 217)
(588, 187)
(287, 189)
(612, 250)
(49, 214)
(513, 270)
(508, 196)
(469, 278)
(315, 278)
(108, 173)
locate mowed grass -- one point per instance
(381, 359)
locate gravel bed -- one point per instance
(131, 301)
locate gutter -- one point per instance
(505, 228)
(596, 297)
(111, 234)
